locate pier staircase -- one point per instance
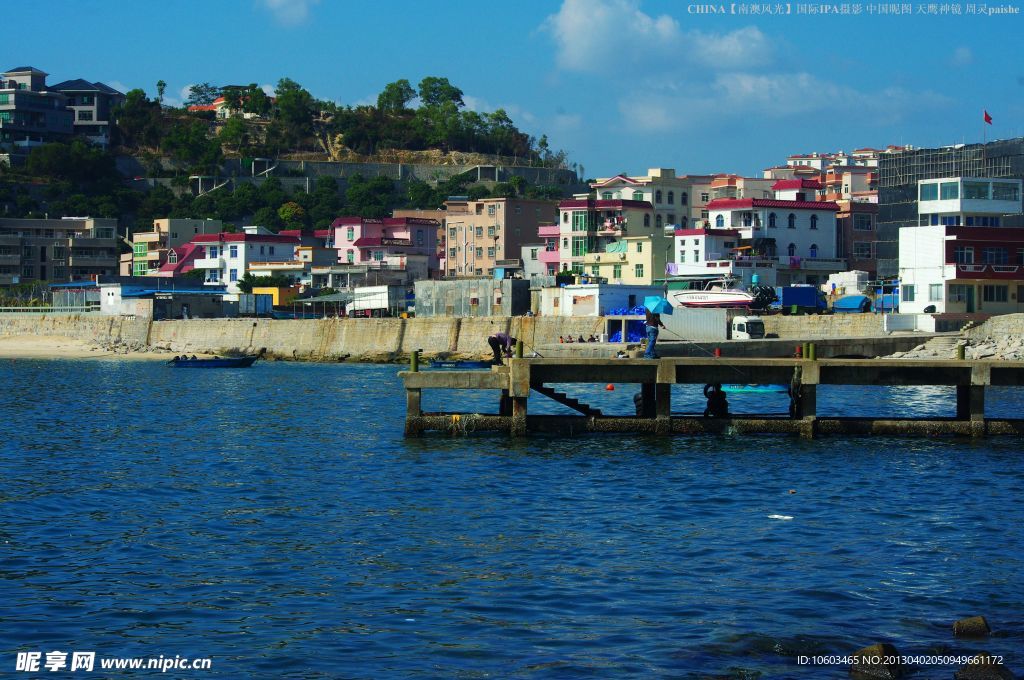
(944, 346)
(566, 400)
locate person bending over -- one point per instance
(501, 344)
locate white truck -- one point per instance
(746, 328)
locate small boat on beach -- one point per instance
(214, 362)
(464, 365)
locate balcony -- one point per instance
(548, 256)
(548, 230)
(983, 271)
(209, 263)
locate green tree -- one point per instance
(435, 91)
(267, 217)
(255, 100)
(370, 198)
(234, 133)
(292, 215)
(138, 121)
(295, 109)
(161, 87)
(395, 96)
(202, 94)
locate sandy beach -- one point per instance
(60, 347)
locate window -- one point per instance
(638, 195)
(419, 237)
(451, 233)
(976, 190)
(480, 253)
(657, 196)
(791, 250)
(595, 270)
(696, 256)
(213, 276)
(719, 221)
(671, 219)
(861, 249)
(907, 293)
(581, 220)
(1004, 191)
(480, 232)
(638, 271)
(684, 198)
(771, 221)
(683, 223)
(748, 219)
(140, 249)
(963, 255)
(791, 221)
(233, 251)
(935, 292)
(682, 256)
(491, 210)
(263, 250)
(814, 221)
(565, 217)
(657, 221)
(671, 197)
(579, 246)
(351, 256)
(957, 292)
(606, 195)
(350, 233)
(451, 252)
(704, 197)
(929, 192)
(172, 257)
(212, 250)
(617, 271)
(949, 191)
(862, 223)
(378, 255)
(490, 230)
(647, 220)
(271, 250)
(233, 275)
(994, 256)
(639, 246)
(490, 251)
(993, 293)
(814, 250)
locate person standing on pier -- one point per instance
(501, 344)
(652, 324)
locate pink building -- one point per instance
(549, 256)
(386, 243)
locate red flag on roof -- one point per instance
(988, 118)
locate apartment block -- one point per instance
(59, 251)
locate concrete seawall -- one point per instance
(389, 339)
(310, 339)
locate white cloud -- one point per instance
(616, 36)
(738, 96)
(289, 12)
(962, 56)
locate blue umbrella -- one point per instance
(657, 305)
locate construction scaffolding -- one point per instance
(899, 172)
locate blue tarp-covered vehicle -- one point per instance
(852, 304)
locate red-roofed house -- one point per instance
(395, 244)
(783, 240)
(226, 256)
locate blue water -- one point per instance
(276, 521)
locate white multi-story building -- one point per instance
(784, 240)
(227, 256)
(961, 259)
(967, 201)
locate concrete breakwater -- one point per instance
(378, 340)
(393, 339)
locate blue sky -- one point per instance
(621, 85)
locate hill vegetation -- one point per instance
(74, 179)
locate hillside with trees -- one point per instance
(74, 178)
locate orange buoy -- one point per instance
(610, 387)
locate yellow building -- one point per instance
(281, 296)
(630, 260)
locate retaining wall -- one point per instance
(86, 327)
(1005, 325)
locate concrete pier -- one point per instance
(523, 378)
